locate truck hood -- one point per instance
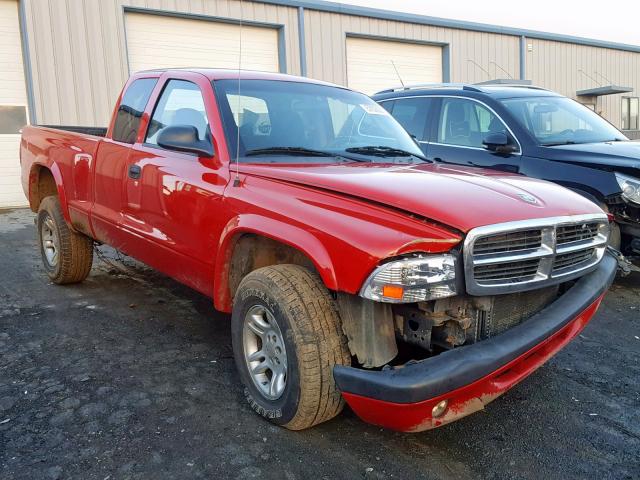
(459, 197)
(617, 155)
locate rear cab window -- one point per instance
(132, 105)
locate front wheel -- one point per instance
(287, 337)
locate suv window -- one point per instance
(412, 114)
(181, 103)
(466, 123)
(131, 108)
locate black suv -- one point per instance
(527, 130)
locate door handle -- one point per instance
(135, 171)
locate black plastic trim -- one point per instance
(456, 368)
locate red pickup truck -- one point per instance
(353, 268)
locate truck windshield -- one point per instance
(561, 121)
(319, 122)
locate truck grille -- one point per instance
(531, 254)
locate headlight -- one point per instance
(415, 279)
(630, 187)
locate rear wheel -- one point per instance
(66, 255)
(287, 337)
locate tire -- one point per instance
(294, 305)
(66, 255)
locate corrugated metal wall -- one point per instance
(79, 57)
(567, 68)
(325, 34)
(78, 52)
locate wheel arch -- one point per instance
(45, 181)
(251, 241)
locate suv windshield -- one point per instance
(561, 121)
(279, 118)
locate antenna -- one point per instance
(236, 180)
(498, 66)
(479, 66)
(397, 73)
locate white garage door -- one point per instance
(155, 41)
(370, 64)
(13, 105)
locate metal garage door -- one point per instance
(370, 68)
(155, 41)
(13, 105)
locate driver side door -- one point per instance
(462, 126)
(173, 198)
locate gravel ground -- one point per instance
(130, 375)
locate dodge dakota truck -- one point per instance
(354, 268)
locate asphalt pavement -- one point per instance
(130, 375)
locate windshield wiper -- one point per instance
(383, 151)
(555, 144)
(301, 151)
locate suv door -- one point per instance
(414, 114)
(462, 126)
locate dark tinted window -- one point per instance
(131, 109)
(412, 114)
(466, 123)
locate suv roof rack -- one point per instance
(475, 87)
(461, 86)
(515, 84)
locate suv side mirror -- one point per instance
(184, 138)
(498, 142)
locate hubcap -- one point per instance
(264, 352)
(49, 239)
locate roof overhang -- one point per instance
(606, 90)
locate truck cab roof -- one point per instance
(232, 74)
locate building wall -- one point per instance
(79, 57)
(567, 68)
(325, 34)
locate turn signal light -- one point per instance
(392, 291)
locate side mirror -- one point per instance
(184, 138)
(498, 142)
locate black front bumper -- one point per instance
(426, 379)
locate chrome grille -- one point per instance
(576, 233)
(513, 271)
(567, 260)
(519, 256)
(508, 242)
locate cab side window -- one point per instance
(412, 114)
(466, 123)
(181, 103)
(131, 108)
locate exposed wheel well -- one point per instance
(253, 251)
(42, 185)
